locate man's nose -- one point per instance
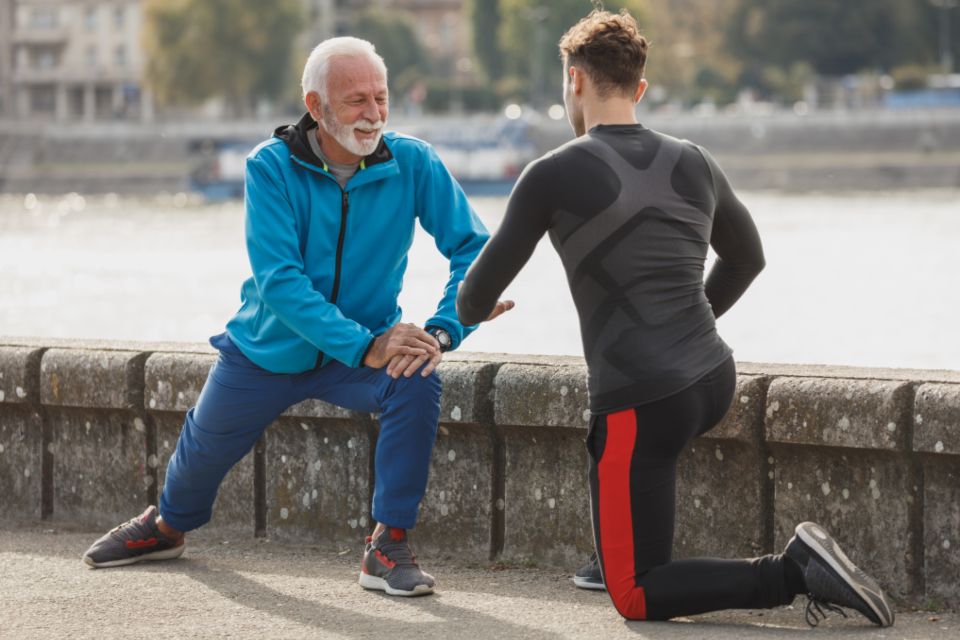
(371, 111)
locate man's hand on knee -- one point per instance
(404, 340)
(408, 365)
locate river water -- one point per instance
(865, 279)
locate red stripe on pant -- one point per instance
(616, 519)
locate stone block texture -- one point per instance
(92, 379)
(21, 462)
(538, 395)
(21, 433)
(456, 513)
(936, 418)
(173, 381)
(546, 497)
(862, 414)
(866, 500)
(318, 481)
(941, 531)
(100, 475)
(720, 510)
(19, 369)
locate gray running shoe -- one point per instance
(589, 576)
(389, 565)
(833, 581)
(134, 541)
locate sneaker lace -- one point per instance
(124, 525)
(815, 613)
(400, 553)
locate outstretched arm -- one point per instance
(526, 220)
(445, 214)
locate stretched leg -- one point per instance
(409, 411)
(633, 482)
(238, 401)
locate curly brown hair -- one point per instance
(609, 47)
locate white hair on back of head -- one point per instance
(318, 64)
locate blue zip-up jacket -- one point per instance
(328, 263)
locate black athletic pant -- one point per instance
(633, 473)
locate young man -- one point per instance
(331, 207)
(632, 213)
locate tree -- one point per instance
(835, 38)
(485, 18)
(395, 37)
(238, 50)
(689, 57)
(528, 36)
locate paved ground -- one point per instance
(258, 589)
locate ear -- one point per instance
(313, 104)
(641, 89)
(577, 77)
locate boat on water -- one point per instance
(485, 157)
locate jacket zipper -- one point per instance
(344, 206)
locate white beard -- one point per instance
(343, 133)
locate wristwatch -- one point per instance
(442, 336)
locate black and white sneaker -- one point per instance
(133, 541)
(589, 576)
(833, 580)
(389, 565)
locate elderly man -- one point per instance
(331, 206)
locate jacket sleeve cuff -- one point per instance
(455, 329)
(365, 351)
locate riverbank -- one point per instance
(830, 151)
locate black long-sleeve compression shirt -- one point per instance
(631, 212)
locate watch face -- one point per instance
(442, 337)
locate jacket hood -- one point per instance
(295, 137)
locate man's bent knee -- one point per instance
(427, 388)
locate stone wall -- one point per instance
(86, 429)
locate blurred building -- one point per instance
(6, 57)
(75, 59)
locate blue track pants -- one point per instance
(239, 401)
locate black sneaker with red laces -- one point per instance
(134, 541)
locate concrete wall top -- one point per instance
(861, 414)
(173, 380)
(850, 407)
(838, 371)
(19, 367)
(936, 418)
(541, 395)
(91, 378)
(105, 345)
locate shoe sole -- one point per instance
(587, 583)
(374, 583)
(166, 554)
(826, 548)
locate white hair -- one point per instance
(318, 64)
